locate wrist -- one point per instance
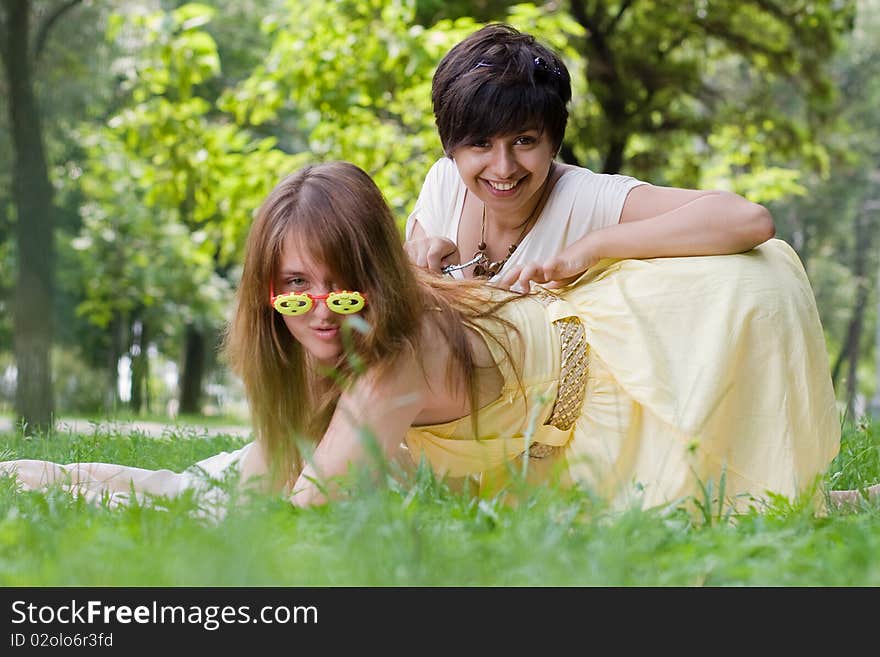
(591, 247)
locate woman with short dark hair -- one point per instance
(499, 200)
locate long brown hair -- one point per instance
(338, 211)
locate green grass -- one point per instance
(421, 534)
(183, 419)
(125, 417)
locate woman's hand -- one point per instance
(370, 422)
(556, 272)
(432, 252)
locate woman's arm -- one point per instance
(657, 222)
(376, 409)
(254, 467)
(683, 222)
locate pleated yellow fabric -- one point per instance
(699, 367)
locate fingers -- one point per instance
(508, 277)
(519, 278)
(439, 249)
(430, 252)
(553, 274)
(559, 273)
(530, 272)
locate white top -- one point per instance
(580, 202)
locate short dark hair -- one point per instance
(497, 81)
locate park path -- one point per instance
(155, 429)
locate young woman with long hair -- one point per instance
(647, 381)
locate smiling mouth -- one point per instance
(503, 186)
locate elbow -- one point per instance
(762, 226)
(754, 224)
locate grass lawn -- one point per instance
(420, 534)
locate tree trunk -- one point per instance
(874, 406)
(614, 156)
(117, 339)
(873, 206)
(852, 347)
(193, 371)
(566, 154)
(32, 300)
(604, 78)
(140, 367)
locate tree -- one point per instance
(354, 78)
(857, 172)
(170, 232)
(652, 81)
(34, 225)
(663, 71)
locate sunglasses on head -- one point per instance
(540, 64)
(342, 302)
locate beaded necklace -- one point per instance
(488, 268)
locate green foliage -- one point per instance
(159, 245)
(356, 76)
(194, 165)
(835, 220)
(77, 387)
(662, 77)
(858, 463)
(430, 12)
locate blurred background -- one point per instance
(138, 138)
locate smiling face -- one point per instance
(319, 330)
(506, 172)
(496, 81)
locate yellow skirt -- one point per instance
(708, 376)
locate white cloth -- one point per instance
(580, 202)
(115, 484)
